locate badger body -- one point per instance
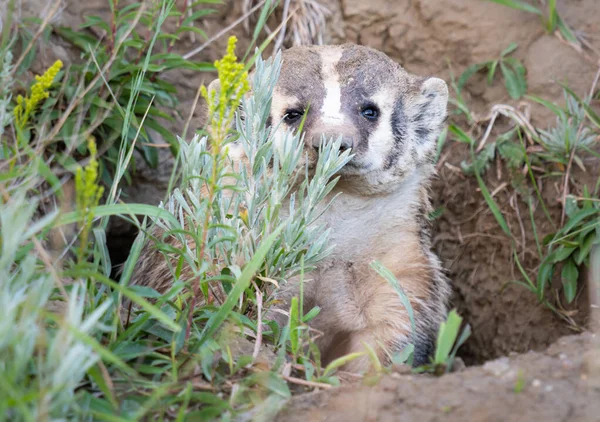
(390, 120)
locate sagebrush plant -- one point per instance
(242, 206)
(6, 83)
(44, 355)
(572, 135)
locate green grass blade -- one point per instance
(552, 15)
(390, 278)
(511, 47)
(446, 337)
(96, 375)
(567, 32)
(294, 324)
(489, 200)
(121, 209)
(461, 135)
(519, 5)
(570, 276)
(464, 336)
(511, 81)
(470, 71)
(534, 227)
(336, 363)
(550, 106)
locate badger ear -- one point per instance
(427, 112)
(434, 103)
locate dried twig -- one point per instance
(48, 17)
(281, 37)
(519, 117)
(259, 327)
(191, 115)
(300, 381)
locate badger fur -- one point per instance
(390, 120)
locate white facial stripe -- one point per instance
(381, 140)
(332, 104)
(280, 104)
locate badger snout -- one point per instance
(321, 134)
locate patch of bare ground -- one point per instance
(559, 384)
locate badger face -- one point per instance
(388, 118)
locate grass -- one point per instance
(513, 73)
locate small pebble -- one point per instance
(459, 365)
(536, 383)
(497, 367)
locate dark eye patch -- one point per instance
(370, 112)
(293, 115)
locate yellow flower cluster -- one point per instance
(88, 194)
(39, 92)
(233, 81)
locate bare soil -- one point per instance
(558, 384)
(440, 37)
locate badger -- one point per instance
(390, 120)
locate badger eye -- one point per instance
(370, 112)
(292, 116)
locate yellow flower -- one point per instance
(39, 92)
(234, 84)
(88, 195)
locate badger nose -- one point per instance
(346, 143)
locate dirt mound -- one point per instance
(556, 385)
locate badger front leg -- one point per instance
(376, 317)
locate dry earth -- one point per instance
(558, 384)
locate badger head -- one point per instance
(389, 118)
